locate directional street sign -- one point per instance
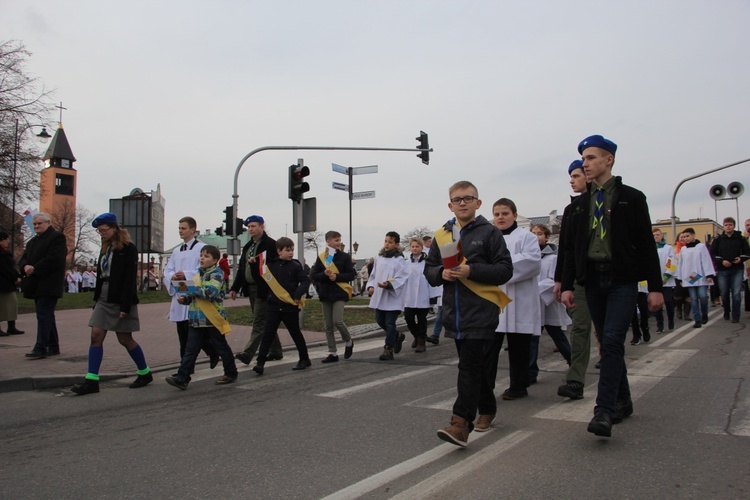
(363, 194)
(339, 169)
(339, 186)
(371, 169)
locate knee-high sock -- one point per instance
(96, 354)
(140, 360)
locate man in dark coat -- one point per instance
(43, 267)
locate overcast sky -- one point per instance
(178, 92)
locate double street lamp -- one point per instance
(43, 136)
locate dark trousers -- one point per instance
(562, 343)
(477, 369)
(519, 353)
(642, 309)
(291, 321)
(46, 328)
(416, 320)
(387, 321)
(197, 339)
(259, 307)
(611, 304)
(183, 334)
(669, 305)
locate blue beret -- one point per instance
(576, 164)
(105, 218)
(597, 141)
(255, 218)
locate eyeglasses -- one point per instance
(465, 200)
(102, 230)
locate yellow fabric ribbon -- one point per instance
(344, 286)
(279, 291)
(210, 311)
(488, 292)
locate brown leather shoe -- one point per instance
(456, 433)
(484, 423)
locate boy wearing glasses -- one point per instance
(470, 280)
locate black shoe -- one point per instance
(601, 424)
(726, 316)
(387, 354)
(302, 364)
(624, 410)
(243, 357)
(213, 360)
(399, 343)
(36, 355)
(670, 325)
(87, 387)
(735, 320)
(697, 324)
(646, 336)
(142, 381)
(532, 380)
(176, 382)
(414, 343)
(275, 358)
(15, 331)
(53, 351)
(635, 341)
(660, 329)
(704, 320)
(571, 389)
(331, 358)
(349, 350)
(433, 340)
(258, 368)
(509, 395)
(4, 334)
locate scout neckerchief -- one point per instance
(210, 311)
(278, 290)
(327, 259)
(488, 292)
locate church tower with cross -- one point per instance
(58, 185)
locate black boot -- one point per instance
(258, 368)
(302, 364)
(12, 330)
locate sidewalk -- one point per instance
(158, 338)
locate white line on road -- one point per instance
(343, 393)
(432, 486)
(689, 336)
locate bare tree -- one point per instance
(417, 232)
(76, 222)
(24, 104)
(313, 241)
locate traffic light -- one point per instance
(239, 227)
(423, 144)
(219, 231)
(297, 185)
(228, 221)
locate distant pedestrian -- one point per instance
(9, 280)
(696, 273)
(668, 262)
(224, 266)
(639, 320)
(115, 303)
(386, 286)
(88, 279)
(207, 320)
(417, 295)
(332, 272)
(288, 283)
(42, 268)
(730, 250)
(470, 259)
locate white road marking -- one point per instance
(343, 393)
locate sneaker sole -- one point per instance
(450, 439)
(481, 429)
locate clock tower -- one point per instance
(58, 186)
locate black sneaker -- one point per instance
(601, 424)
(635, 342)
(302, 364)
(349, 350)
(331, 358)
(726, 316)
(399, 343)
(142, 381)
(387, 354)
(704, 320)
(243, 357)
(433, 339)
(36, 355)
(660, 329)
(87, 387)
(175, 382)
(697, 324)
(646, 336)
(571, 389)
(670, 326)
(624, 410)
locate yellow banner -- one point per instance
(344, 286)
(210, 311)
(279, 290)
(491, 293)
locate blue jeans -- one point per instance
(730, 280)
(46, 328)
(611, 304)
(438, 322)
(699, 300)
(387, 321)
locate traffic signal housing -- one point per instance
(239, 227)
(424, 144)
(219, 231)
(297, 184)
(228, 221)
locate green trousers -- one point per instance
(580, 337)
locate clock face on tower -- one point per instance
(65, 163)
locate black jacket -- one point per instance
(266, 244)
(561, 242)
(330, 291)
(729, 248)
(8, 272)
(123, 279)
(292, 277)
(634, 256)
(46, 252)
(488, 257)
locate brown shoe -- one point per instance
(456, 433)
(484, 423)
(421, 345)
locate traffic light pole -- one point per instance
(233, 243)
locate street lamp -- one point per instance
(43, 136)
(355, 246)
